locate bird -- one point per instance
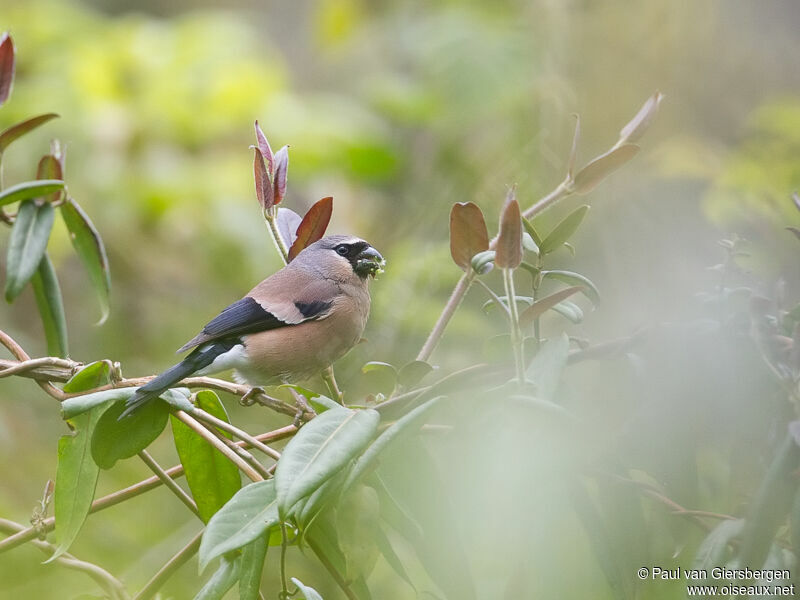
(292, 325)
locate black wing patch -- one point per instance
(309, 310)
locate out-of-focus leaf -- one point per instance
(212, 478)
(222, 580)
(29, 189)
(529, 244)
(323, 540)
(17, 131)
(508, 252)
(796, 200)
(403, 426)
(50, 168)
(468, 234)
(265, 149)
(115, 439)
(564, 230)
(413, 372)
(264, 191)
(72, 407)
(253, 556)
(713, 551)
(89, 377)
(307, 591)
(576, 279)
(381, 376)
(251, 512)
(795, 231)
(307, 510)
(7, 65)
(531, 231)
(281, 173)
(546, 368)
(357, 525)
(590, 176)
(76, 480)
(51, 307)
(569, 310)
(637, 126)
(536, 309)
(387, 550)
(89, 246)
(288, 222)
(319, 450)
(313, 225)
(482, 262)
(318, 402)
(27, 245)
(573, 153)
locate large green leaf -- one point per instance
(115, 439)
(251, 512)
(72, 407)
(222, 580)
(405, 425)
(77, 473)
(30, 189)
(89, 377)
(319, 450)
(546, 368)
(564, 230)
(253, 556)
(51, 307)
(713, 551)
(357, 525)
(90, 249)
(212, 478)
(17, 131)
(27, 245)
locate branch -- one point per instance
(172, 565)
(169, 482)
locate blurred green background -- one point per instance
(398, 110)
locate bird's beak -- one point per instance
(369, 262)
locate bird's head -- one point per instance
(345, 252)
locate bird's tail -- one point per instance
(199, 359)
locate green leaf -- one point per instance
(468, 234)
(545, 370)
(387, 550)
(76, 480)
(413, 372)
(27, 245)
(403, 426)
(72, 407)
(212, 478)
(89, 377)
(357, 527)
(713, 551)
(115, 439)
(483, 262)
(319, 402)
(564, 230)
(30, 189)
(307, 509)
(531, 231)
(319, 450)
(575, 279)
(381, 376)
(590, 176)
(222, 580)
(307, 591)
(250, 514)
(7, 66)
(51, 307)
(535, 310)
(253, 556)
(570, 311)
(89, 246)
(17, 131)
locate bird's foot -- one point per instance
(249, 397)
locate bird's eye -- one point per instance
(342, 250)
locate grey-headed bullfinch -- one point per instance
(289, 327)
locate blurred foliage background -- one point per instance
(398, 110)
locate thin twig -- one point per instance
(236, 432)
(500, 304)
(447, 313)
(21, 356)
(240, 452)
(340, 581)
(173, 564)
(169, 482)
(104, 579)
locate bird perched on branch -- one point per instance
(290, 326)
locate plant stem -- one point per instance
(331, 569)
(284, 544)
(500, 304)
(444, 319)
(516, 332)
(330, 380)
(169, 482)
(172, 565)
(283, 251)
(236, 432)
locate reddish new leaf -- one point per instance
(266, 150)
(590, 176)
(468, 234)
(20, 129)
(538, 308)
(509, 240)
(263, 185)
(7, 65)
(313, 225)
(50, 168)
(281, 170)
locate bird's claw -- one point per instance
(249, 397)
